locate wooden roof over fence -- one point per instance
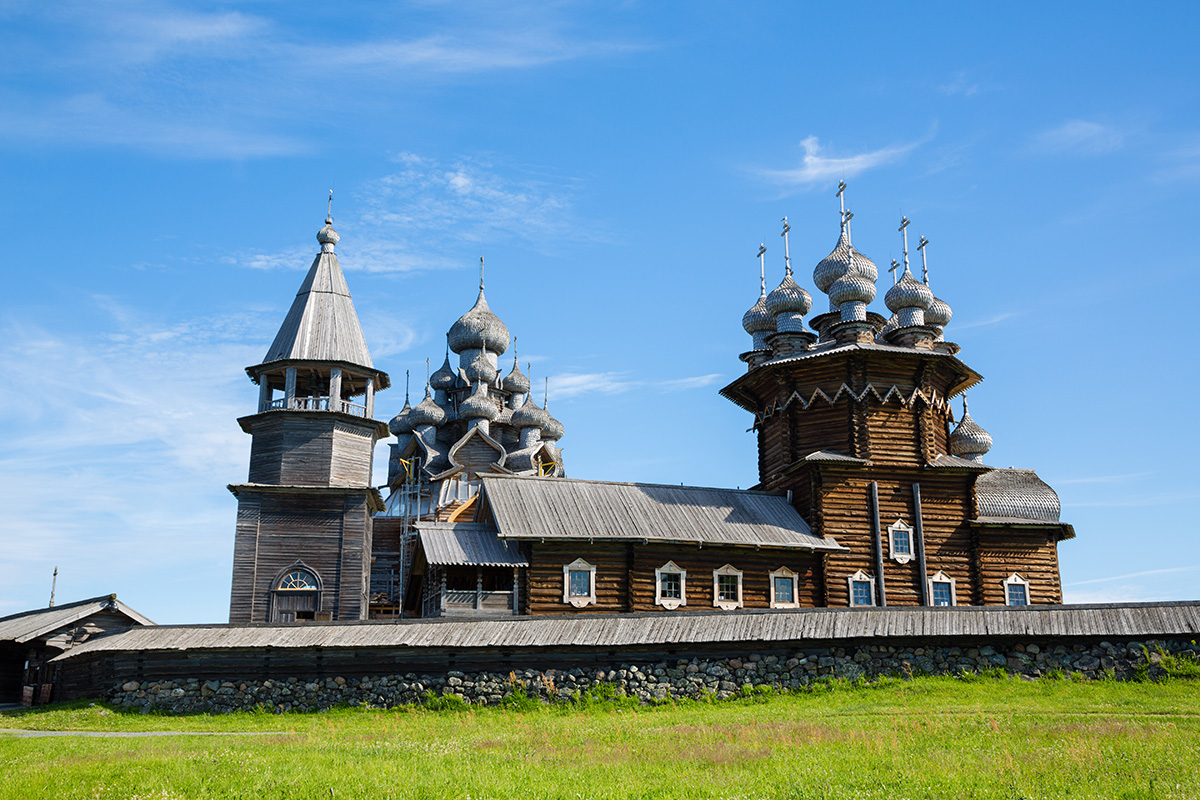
(677, 630)
(558, 508)
(29, 625)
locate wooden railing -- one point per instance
(463, 599)
(316, 404)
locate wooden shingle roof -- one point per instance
(558, 508)
(29, 625)
(467, 544)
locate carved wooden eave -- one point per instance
(374, 498)
(380, 428)
(382, 381)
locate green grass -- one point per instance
(929, 737)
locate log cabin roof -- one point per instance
(29, 625)
(1016, 494)
(467, 544)
(557, 508)
(677, 630)
(321, 325)
(747, 389)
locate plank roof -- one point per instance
(467, 544)
(322, 324)
(756, 627)
(558, 508)
(29, 625)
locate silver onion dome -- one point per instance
(480, 369)
(327, 236)
(788, 298)
(837, 264)
(479, 328)
(401, 423)
(552, 430)
(891, 325)
(852, 287)
(968, 439)
(427, 412)
(938, 314)
(478, 405)
(908, 292)
(529, 415)
(516, 382)
(757, 319)
(445, 376)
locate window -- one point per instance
(579, 583)
(901, 540)
(727, 587)
(1016, 591)
(670, 586)
(942, 590)
(862, 589)
(296, 596)
(783, 589)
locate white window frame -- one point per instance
(902, 558)
(784, 572)
(670, 603)
(942, 577)
(727, 605)
(579, 565)
(851, 580)
(1013, 580)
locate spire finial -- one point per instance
(787, 254)
(405, 387)
(546, 393)
(426, 373)
(481, 273)
(924, 262)
(904, 231)
(841, 196)
(846, 217)
(762, 271)
(965, 404)
(330, 214)
(515, 364)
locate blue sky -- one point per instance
(165, 169)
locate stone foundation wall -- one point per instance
(720, 678)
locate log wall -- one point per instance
(317, 449)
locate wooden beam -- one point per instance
(877, 540)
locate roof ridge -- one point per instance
(636, 483)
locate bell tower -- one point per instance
(302, 550)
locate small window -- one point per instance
(670, 586)
(784, 589)
(727, 587)
(296, 596)
(579, 583)
(942, 590)
(862, 589)
(1016, 591)
(901, 540)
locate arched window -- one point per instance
(296, 596)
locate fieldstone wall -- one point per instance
(697, 678)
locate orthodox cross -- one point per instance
(481, 273)
(842, 199)
(924, 262)
(405, 387)
(546, 393)
(787, 255)
(846, 217)
(426, 373)
(762, 268)
(330, 214)
(904, 230)
(892, 269)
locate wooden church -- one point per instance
(869, 493)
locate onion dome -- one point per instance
(327, 236)
(758, 319)
(908, 292)
(837, 264)
(852, 287)
(445, 376)
(530, 415)
(938, 314)
(788, 303)
(479, 329)
(553, 430)
(515, 382)
(480, 369)
(891, 325)
(402, 423)
(968, 439)
(478, 405)
(427, 412)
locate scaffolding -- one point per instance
(415, 499)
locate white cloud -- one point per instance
(683, 384)
(817, 168)
(1128, 575)
(986, 322)
(1079, 137)
(959, 84)
(570, 384)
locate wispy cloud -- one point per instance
(571, 384)
(1142, 574)
(816, 167)
(959, 84)
(986, 322)
(1078, 137)
(683, 384)
(1129, 476)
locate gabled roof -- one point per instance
(29, 625)
(558, 508)
(321, 324)
(467, 543)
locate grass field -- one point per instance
(925, 738)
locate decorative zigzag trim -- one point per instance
(934, 399)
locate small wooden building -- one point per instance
(29, 640)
